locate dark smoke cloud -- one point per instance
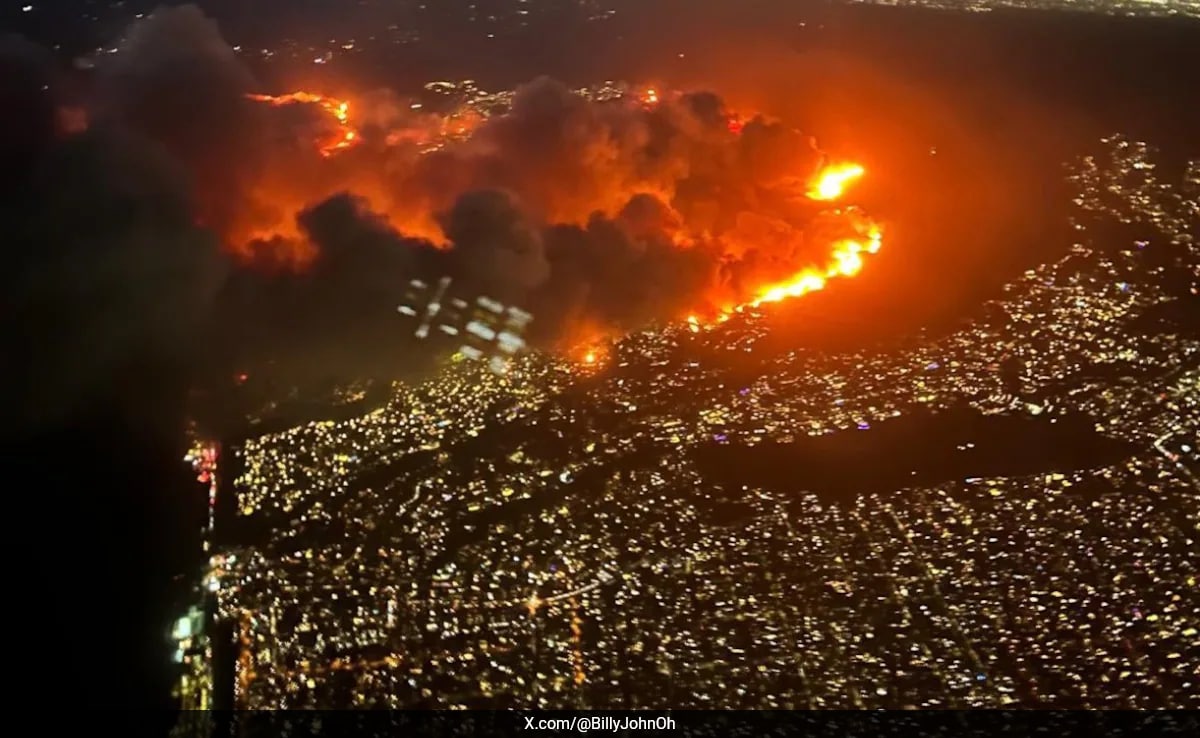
(565, 157)
(611, 214)
(646, 217)
(26, 127)
(105, 272)
(176, 81)
(338, 317)
(605, 215)
(106, 295)
(496, 245)
(622, 272)
(109, 285)
(590, 214)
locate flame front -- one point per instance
(846, 258)
(345, 134)
(845, 261)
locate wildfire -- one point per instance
(846, 261)
(343, 138)
(833, 180)
(846, 258)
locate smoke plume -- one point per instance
(614, 212)
(588, 213)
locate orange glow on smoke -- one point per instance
(846, 259)
(343, 137)
(267, 234)
(831, 183)
(71, 120)
(280, 239)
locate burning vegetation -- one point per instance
(603, 213)
(343, 137)
(595, 214)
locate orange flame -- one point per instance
(832, 181)
(846, 259)
(343, 138)
(592, 355)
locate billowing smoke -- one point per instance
(105, 272)
(496, 245)
(175, 81)
(596, 214)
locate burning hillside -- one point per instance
(609, 212)
(339, 110)
(596, 213)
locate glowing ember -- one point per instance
(343, 138)
(832, 181)
(589, 357)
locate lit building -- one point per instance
(195, 687)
